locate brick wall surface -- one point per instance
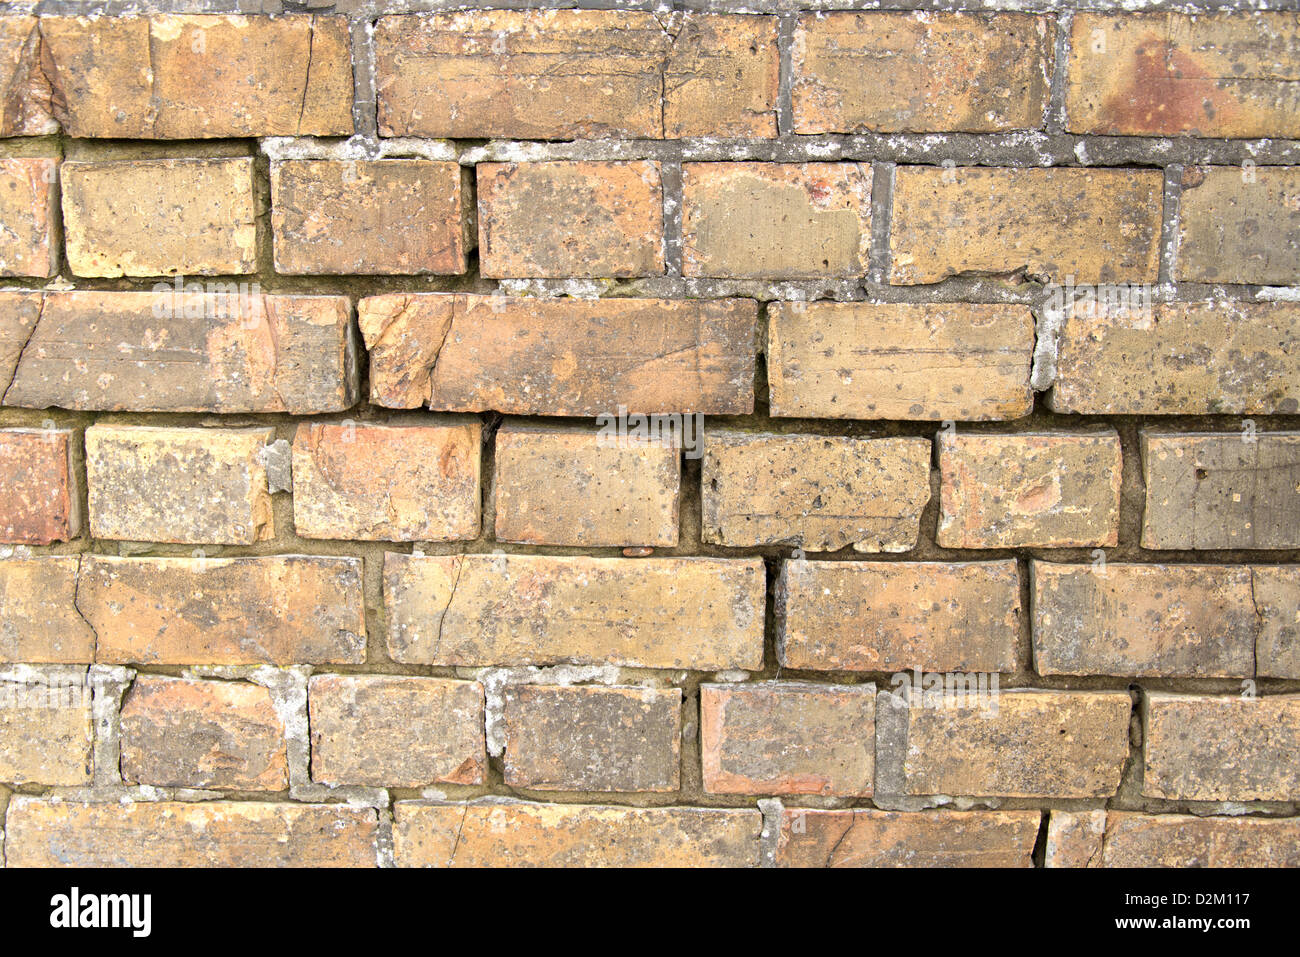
(778, 433)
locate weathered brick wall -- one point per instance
(317, 547)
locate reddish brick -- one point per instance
(387, 482)
(28, 212)
(39, 622)
(560, 356)
(1181, 840)
(40, 489)
(202, 734)
(788, 737)
(396, 731)
(895, 616)
(570, 219)
(27, 107)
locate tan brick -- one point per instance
(1058, 489)
(1074, 838)
(26, 107)
(1041, 744)
(823, 492)
(1090, 224)
(570, 219)
(1193, 621)
(895, 616)
(224, 735)
(159, 352)
(933, 361)
(416, 482)
(700, 613)
(1276, 591)
(1240, 225)
(576, 74)
(38, 618)
(1180, 358)
(396, 731)
(40, 487)
(160, 484)
(560, 356)
(582, 487)
(196, 77)
(160, 217)
(28, 212)
(788, 737)
(389, 217)
(592, 738)
(1235, 490)
(1229, 74)
(920, 72)
(865, 837)
(1181, 840)
(1231, 748)
(776, 220)
(568, 835)
(45, 727)
(44, 833)
(280, 609)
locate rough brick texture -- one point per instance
(28, 210)
(871, 838)
(41, 488)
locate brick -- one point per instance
(198, 77)
(39, 622)
(572, 357)
(1056, 489)
(1180, 358)
(160, 217)
(1095, 225)
(1211, 490)
(591, 738)
(568, 835)
(396, 731)
(932, 361)
(920, 72)
(387, 482)
(1182, 840)
(1240, 225)
(1231, 74)
(1276, 591)
(700, 613)
(159, 352)
(387, 217)
(1074, 838)
(281, 609)
(865, 837)
(159, 484)
(788, 737)
(44, 833)
(575, 74)
(223, 735)
(26, 108)
(1195, 621)
(570, 219)
(40, 487)
(45, 728)
(581, 487)
(895, 616)
(776, 220)
(822, 492)
(1205, 748)
(28, 212)
(1037, 744)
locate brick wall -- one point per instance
(332, 532)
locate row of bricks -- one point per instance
(566, 74)
(579, 486)
(44, 833)
(238, 351)
(703, 614)
(780, 221)
(781, 737)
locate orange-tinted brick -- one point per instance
(40, 497)
(28, 212)
(865, 837)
